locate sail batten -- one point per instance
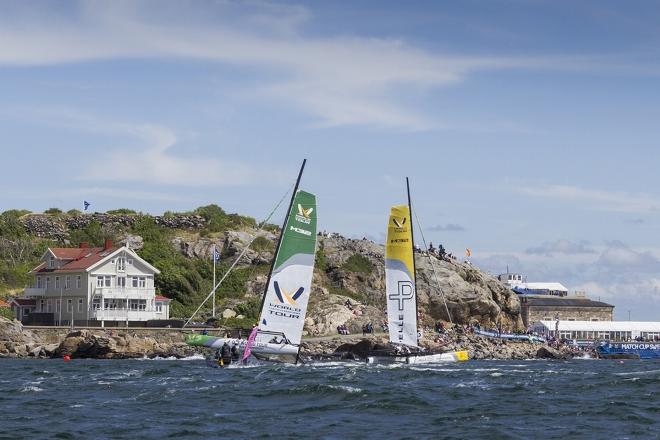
(400, 278)
(287, 296)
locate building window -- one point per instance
(143, 281)
(108, 281)
(134, 281)
(99, 281)
(38, 282)
(121, 282)
(51, 262)
(78, 282)
(159, 307)
(96, 304)
(121, 264)
(57, 306)
(49, 306)
(103, 281)
(57, 282)
(138, 304)
(67, 282)
(69, 305)
(80, 305)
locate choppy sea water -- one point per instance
(184, 399)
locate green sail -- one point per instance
(287, 296)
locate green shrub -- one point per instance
(93, 233)
(6, 313)
(262, 244)
(358, 263)
(321, 262)
(250, 309)
(53, 211)
(121, 211)
(74, 212)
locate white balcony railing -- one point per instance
(125, 292)
(34, 291)
(123, 315)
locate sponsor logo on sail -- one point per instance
(283, 295)
(304, 215)
(399, 222)
(301, 231)
(405, 292)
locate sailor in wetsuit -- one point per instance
(225, 355)
(234, 352)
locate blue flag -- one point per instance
(86, 203)
(216, 254)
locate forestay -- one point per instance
(400, 278)
(285, 303)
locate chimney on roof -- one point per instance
(84, 245)
(107, 245)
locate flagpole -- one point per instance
(214, 251)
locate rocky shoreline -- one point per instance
(18, 342)
(478, 348)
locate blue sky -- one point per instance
(528, 128)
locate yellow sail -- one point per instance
(400, 278)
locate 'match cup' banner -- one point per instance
(286, 300)
(400, 278)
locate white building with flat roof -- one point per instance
(600, 330)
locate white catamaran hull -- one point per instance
(259, 348)
(454, 356)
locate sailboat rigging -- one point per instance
(286, 296)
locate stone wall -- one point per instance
(57, 226)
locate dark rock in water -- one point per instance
(546, 352)
(362, 349)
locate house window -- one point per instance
(134, 281)
(99, 281)
(57, 282)
(49, 306)
(38, 282)
(121, 264)
(130, 262)
(51, 262)
(80, 305)
(69, 305)
(107, 282)
(47, 283)
(159, 307)
(138, 304)
(96, 304)
(57, 305)
(67, 282)
(143, 281)
(103, 281)
(78, 282)
(42, 307)
(121, 282)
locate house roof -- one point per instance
(564, 302)
(162, 298)
(81, 259)
(4, 304)
(25, 302)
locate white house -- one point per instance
(95, 284)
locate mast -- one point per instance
(279, 240)
(412, 236)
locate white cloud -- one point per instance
(561, 247)
(340, 80)
(616, 201)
